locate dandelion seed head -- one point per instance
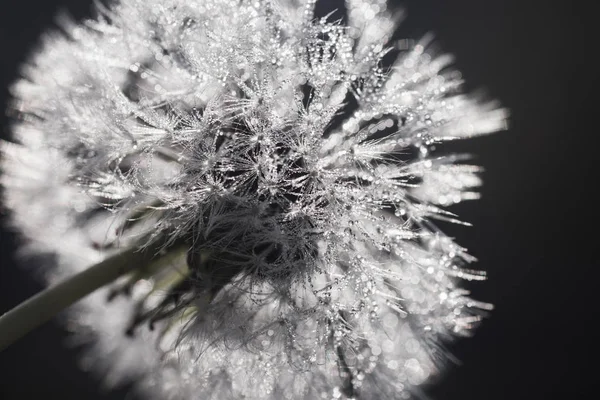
(293, 155)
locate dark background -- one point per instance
(534, 230)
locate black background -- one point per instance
(534, 230)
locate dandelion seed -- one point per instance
(284, 164)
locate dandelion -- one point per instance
(260, 184)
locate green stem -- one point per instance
(43, 306)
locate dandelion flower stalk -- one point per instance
(46, 304)
(294, 164)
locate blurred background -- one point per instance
(533, 228)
